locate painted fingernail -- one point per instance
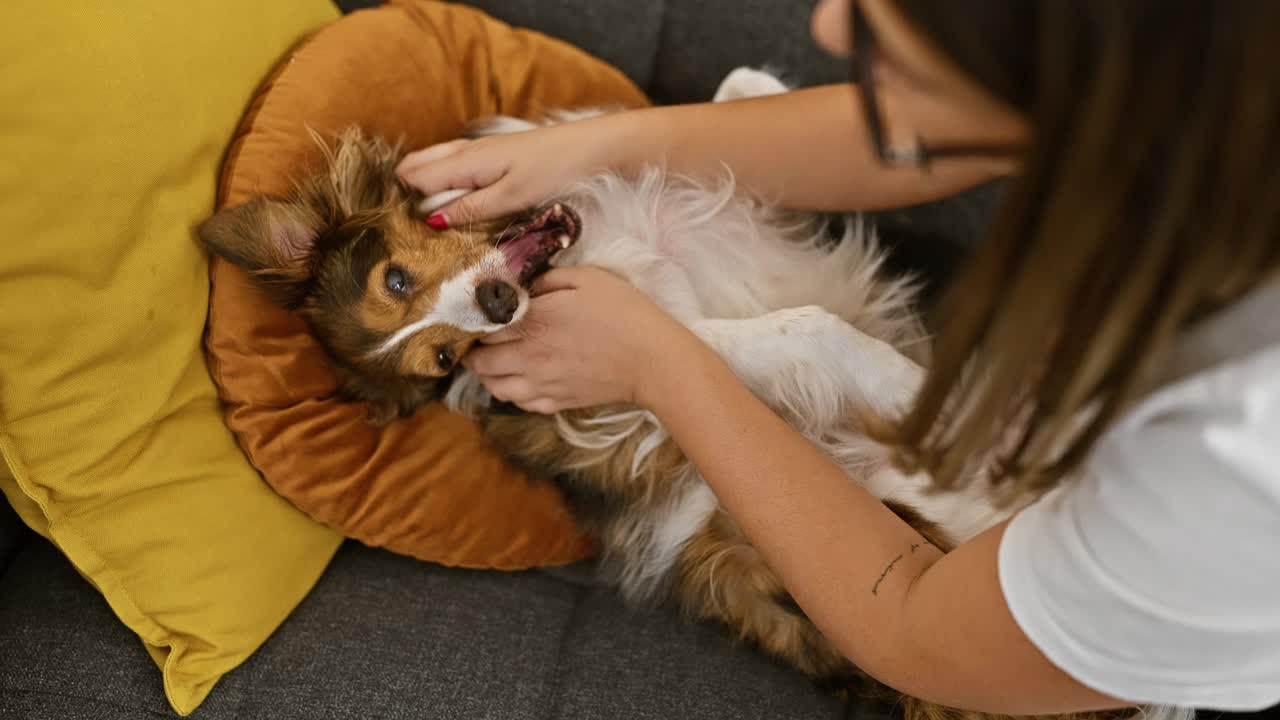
(438, 222)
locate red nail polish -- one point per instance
(438, 222)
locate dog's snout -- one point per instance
(498, 300)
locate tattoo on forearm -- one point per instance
(875, 589)
(917, 546)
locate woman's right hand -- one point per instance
(513, 172)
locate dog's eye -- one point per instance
(445, 358)
(396, 280)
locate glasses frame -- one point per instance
(917, 154)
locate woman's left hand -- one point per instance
(589, 338)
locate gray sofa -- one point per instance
(383, 636)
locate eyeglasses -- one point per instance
(917, 154)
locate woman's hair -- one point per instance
(1149, 197)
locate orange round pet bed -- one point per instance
(427, 486)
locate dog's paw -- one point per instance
(812, 321)
(746, 82)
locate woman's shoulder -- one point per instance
(1164, 546)
(1218, 404)
(1237, 334)
(1222, 372)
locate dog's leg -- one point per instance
(721, 577)
(819, 372)
(814, 366)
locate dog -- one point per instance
(811, 323)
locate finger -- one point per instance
(460, 207)
(460, 171)
(497, 360)
(450, 173)
(541, 406)
(429, 154)
(509, 388)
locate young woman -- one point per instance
(1124, 318)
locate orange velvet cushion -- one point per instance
(427, 486)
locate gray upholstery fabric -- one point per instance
(702, 41)
(624, 33)
(383, 636)
(678, 50)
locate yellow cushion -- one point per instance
(113, 121)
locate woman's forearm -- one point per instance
(805, 149)
(930, 625)
(789, 498)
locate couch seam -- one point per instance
(558, 677)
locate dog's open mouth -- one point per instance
(530, 246)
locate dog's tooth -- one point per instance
(557, 210)
(564, 241)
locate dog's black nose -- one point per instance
(498, 300)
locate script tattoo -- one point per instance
(875, 589)
(917, 546)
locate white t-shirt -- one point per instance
(1155, 577)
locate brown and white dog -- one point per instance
(812, 326)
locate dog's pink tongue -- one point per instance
(520, 250)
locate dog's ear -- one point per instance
(271, 239)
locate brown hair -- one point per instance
(1149, 197)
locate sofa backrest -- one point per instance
(679, 50)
